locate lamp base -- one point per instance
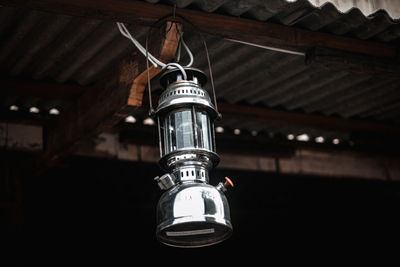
(193, 214)
(194, 234)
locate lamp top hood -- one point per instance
(173, 75)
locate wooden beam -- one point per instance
(306, 120)
(286, 159)
(166, 53)
(103, 105)
(251, 113)
(270, 156)
(302, 120)
(260, 33)
(39, 89)
(353, 62)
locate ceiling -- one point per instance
(60, 49)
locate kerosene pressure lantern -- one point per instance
(191, 213)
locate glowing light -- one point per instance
(34, 110)
(303, 138)
(14, 108)
(219, 129)
(148, 121)
(130, 119)
(335, 141)
(54, 111)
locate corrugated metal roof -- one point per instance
(257, 76)
(367, 7)
(63, 49)
(313, 15)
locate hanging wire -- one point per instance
(197, 30)
(153, 60)
(211, 77)
(151, 110)
(156, 63)
(191, 58)
(174, 65)
(178, 52)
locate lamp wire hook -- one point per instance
(152, 111)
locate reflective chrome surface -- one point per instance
(193, 214)
(166, 181)
(207, 159)
(173, 75)
(186, 128)
(185, 93)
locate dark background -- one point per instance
(96, 209)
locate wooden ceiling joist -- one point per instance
(260, 33)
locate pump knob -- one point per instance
(166, 181)
(224, 186)
(228, 182)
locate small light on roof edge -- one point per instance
(54, 111)
(130, 119)
(219, 129)
(14, 108)
(303, 138)
(148, 121)
(34, 110)
(336, 141)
